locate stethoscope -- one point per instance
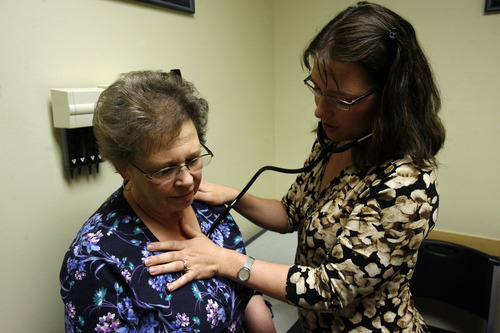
(326, 148)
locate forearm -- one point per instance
(265, 277)
(258, 317)
(266, 213)
(205, 259)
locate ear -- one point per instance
(124, 173)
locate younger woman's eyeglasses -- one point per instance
(337, 102)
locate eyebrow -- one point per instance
(338, 94)
(170, 164)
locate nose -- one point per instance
(184, 176)
(322, 107)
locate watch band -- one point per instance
(248, 264)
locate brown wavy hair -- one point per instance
(142, 109)
(406, 120)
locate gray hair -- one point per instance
(142, 109)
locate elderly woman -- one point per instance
(362, 212)
(151, 126)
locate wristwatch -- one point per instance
(244, 272)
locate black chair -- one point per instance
(457, 286)
(296, 328)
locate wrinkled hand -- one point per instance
(215, 194)
(199, 253)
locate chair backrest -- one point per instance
(458, 275)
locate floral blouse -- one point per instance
(358, 242)
(106, 287)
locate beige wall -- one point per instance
(243, 55)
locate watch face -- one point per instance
(243, 274)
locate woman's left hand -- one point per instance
(197, 256)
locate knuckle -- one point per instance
(163, 269)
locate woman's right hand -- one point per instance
(215, 194)
(197, 257)
(266, 213)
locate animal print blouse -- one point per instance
(358, 244)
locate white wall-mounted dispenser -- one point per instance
(74, 107)
(73, 110)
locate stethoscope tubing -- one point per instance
(325, 149)
(254, 178)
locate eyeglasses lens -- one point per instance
(170, 173)
(333, 101)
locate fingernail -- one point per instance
(150, 247)
(170, 287)
(147, 261)
(152, 270)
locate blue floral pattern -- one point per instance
(106, 287)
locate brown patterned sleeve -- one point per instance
(376, 245)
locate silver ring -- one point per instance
(185, 265)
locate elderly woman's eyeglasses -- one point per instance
(170, 173)
(337, 102)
